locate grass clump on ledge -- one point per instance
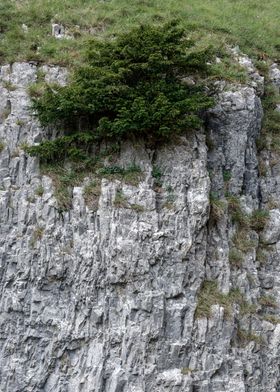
(129, 88)
(210, 295)
(131, 175)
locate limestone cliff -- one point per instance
(108, 299)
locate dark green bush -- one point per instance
(130, 87)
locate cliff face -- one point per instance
(116, 299)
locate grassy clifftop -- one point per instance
(25, 25)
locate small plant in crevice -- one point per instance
(209, 141)
(40, 74)
(137, 207)
(268, 301)
(2, 146)
(226, 176)
(9, 85)
(131, 174)
(186, 371)
(170, 198)
(210, 295)
(244, 337)
(259, 219)
(91, 193)
(120, 200)
(37, 89)
(272, 319)
(261, 256)
(262, 67)
(238, 216)
(218, 208)
(39, 191)
(5, 113)
(64, 179)
(236, 257)
(20, 122)
(242, 241)
(157, 175)
(263, 169)
(37, 235)
(269, 138)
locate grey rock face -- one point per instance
(106, 301)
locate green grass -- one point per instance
(39, 191)
(209, 21)
(131, 174)
(92, 192)
(210, 295)
(236, 257)
(2, 145)
(120, 200)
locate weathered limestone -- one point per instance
(105, 301)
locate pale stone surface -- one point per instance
(105, 301)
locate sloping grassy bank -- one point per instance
(251, 24)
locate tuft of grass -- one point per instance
(19, 122)
(5, 114)
(242, 241)
(64, 179)
(157, 175)
(261, 256)
(259, 219)
(37, 235)
(226, 175)
(36, 90)
(236, 213)
(236, 257)
(245, 337)
(92, 192)
(208, 296)
(186, 371)
(272, 319)
(137, 207)
(268, 301)
(120, 200)
(2, 146)
(9, 85)
(39, 191)
(131, 174)
(217, 208)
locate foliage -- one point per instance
(128, 88)
(74, 147)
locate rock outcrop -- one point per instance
(108, 300)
